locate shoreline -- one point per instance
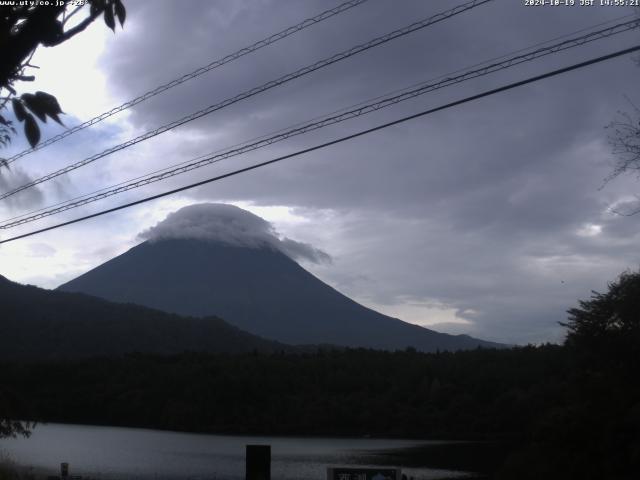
(220, 458)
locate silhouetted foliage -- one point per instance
(25, 26)
(596, 433)
(608, 324)
(624, 139)
(625, 143)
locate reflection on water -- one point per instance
(115, 453)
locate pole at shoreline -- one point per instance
(258, 462)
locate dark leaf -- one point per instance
(109, 19)
(31, 130)
(35, 105)
(50, 105)
(96, 6)
(50, 101)
(18, 109)
(56, 118)
(3, 121)
(51, 32)
(121, 13)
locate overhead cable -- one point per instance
(362, 109)
(333, 142)
(256, 90)
(194, 74)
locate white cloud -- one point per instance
(231, 225)
(426, 313)
(590, 230)
(41, 250)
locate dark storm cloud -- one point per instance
(491, 207)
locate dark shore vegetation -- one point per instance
(552, 411)
(536, 404)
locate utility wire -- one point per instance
(336, 141)
(194, 74)
(207, 159)
(362, 109)
(256, 90)
(343, 109)
(94, 196)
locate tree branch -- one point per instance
(75, 10)
(75, 30)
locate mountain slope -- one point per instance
(260, 290)
(43, 324)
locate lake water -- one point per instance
(118, 453)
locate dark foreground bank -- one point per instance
(570, 411)
(534, 409)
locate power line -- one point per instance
(244, 147)
(194, 74)
(362, 109)
(336, 141)
(256, 90)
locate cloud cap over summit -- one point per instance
(230, 225)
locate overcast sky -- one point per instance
(488, 218)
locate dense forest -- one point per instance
(570, 411)
(534, 399)
(352, 392)
(46, 325)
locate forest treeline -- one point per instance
(556, 411)
(350, 392)
(546, 410)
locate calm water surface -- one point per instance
(118, 453)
